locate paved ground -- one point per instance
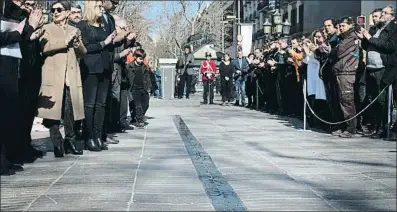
(193, 157)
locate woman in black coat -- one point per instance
(226, 71)
(95, 67)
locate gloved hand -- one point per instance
(227, 78)
(238, 72)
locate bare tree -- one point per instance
(173, 30)
(212, 22)
(132, 12)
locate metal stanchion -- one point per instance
(257, 95)
(304, 104)
(389, 110)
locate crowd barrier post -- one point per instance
(389, 110)
(257, 95)
(304, 105)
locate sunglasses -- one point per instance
(58, 9)
(30, 4)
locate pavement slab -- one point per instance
(194, 157)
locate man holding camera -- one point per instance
(381, 45)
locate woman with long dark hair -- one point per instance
(226, 71)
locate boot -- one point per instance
(89, 133)
(101, 144)
(4, 168)
(99, 118)
(70, 148)
(91, 145)
(57, 141)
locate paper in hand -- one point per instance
(11, 50)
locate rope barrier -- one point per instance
(341, 122)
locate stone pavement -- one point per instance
(208, 157)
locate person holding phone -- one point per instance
(96, 69)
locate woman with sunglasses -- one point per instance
(61, 96)
(96, 73)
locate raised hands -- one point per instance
(131, 36)
(125, 52)
(37, 34)
(110, 38)
(35, 18)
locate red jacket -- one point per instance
(208, 66)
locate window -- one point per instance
(300, 25)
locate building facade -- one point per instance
(304, 16)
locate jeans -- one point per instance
(124, 106)
(158, 92)
(141, 101)
(95, 91)
(240, 90)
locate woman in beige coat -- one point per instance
(61, 94)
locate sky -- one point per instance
(158, 7)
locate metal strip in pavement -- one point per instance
(222, 195)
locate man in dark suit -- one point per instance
(12, 143)
(241, 66)
(186, 71)
(110, 27)
(382, 53)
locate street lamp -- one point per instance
(267, 27)
(279, 29)
(276, 17)
(286, 27)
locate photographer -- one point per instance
(270, 78)
(381, 46)
(250, 85)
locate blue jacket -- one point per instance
(244, 68)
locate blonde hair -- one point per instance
(89, 12)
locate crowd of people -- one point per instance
(81, 71)
(346, 68)
(85, 70)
